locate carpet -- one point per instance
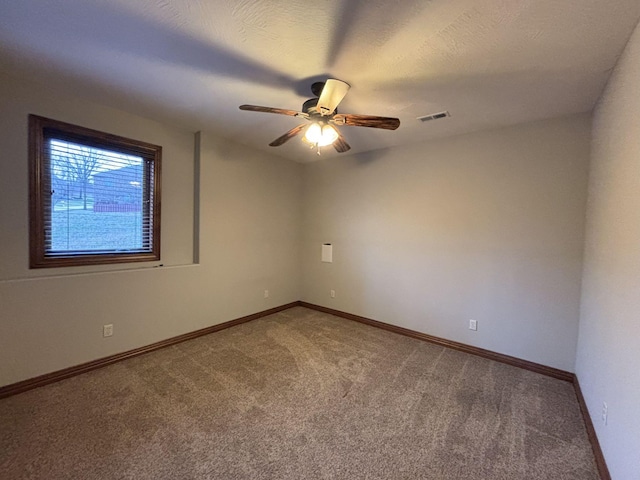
(298, 395)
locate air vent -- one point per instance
(434, 116)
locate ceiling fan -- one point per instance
(322, 113)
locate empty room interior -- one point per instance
(443, 283)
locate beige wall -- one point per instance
(249, 236)
(486, 226)
(609, 340)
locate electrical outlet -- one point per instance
(332, 293)
(107, 330)
(473, 325)
(605, 412)
(266, 294)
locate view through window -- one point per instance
(96, 200)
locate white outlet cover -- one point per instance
(473, 325)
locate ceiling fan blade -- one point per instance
(281, 111)
(351, 120)
(332, 94)
(341, 144)
(287, 136)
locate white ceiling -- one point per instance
(193, 62)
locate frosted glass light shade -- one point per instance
(321, 135)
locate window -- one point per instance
(94, 197)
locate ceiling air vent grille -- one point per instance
(434, 116)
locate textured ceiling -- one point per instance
(193, 62)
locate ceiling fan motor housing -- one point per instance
(310, 106)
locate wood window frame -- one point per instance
(40, 130)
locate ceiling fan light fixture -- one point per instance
(321, 135)
(322, 112)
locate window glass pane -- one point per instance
(97, 201)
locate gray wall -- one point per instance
(609, 347)
(486, 226)
(249, 223)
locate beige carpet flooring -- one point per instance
(298, 395)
